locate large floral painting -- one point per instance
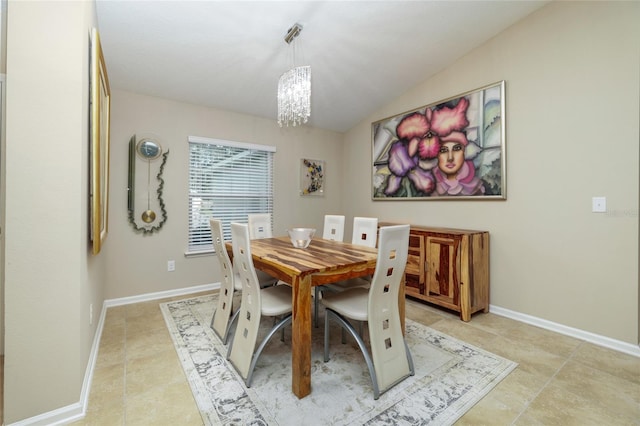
(453, 149)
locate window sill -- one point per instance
(199, 253)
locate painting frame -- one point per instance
(100, 115)
(452, 149)
(312, 177)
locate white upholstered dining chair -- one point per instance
(333, 227)
(365, 233)
(224, 317)
(389, 361)
(259, 225)
(273, 301)
(333, 230)
(221, 320)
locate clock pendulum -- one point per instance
(148, 215)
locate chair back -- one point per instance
(333, 227)
(365, 231)
(245, 336)
(259, 225)
(388, 349)
(225, 299)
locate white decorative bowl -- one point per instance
(301, 237)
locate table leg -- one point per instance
(301, 337)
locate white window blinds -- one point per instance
(227, 181)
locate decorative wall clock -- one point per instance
(146, 208)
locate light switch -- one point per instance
(599, 204)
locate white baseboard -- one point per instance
(160, 295)
(596, 339)
(77, 411)
(59, 416)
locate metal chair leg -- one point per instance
(286, 320)
(346, 325)
(234, 318)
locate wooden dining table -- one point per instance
(322, 262)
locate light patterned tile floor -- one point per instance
(559, 380)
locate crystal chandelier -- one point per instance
(294, 89)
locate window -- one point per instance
(227, 181)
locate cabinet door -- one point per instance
(414, 271)
(442, 266)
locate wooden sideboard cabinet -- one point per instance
(449, 268)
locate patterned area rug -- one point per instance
(451, 376)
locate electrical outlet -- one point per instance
(171, 265)
(91, 314)
(599, 204)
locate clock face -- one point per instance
(148, 149)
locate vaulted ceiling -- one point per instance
(230, 54)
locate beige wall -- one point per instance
(50, 276)
(572, 84)
(137, 264)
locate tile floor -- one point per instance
(559, 380)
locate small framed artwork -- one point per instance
(453, 149)
(99, 147)
(311, 177)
